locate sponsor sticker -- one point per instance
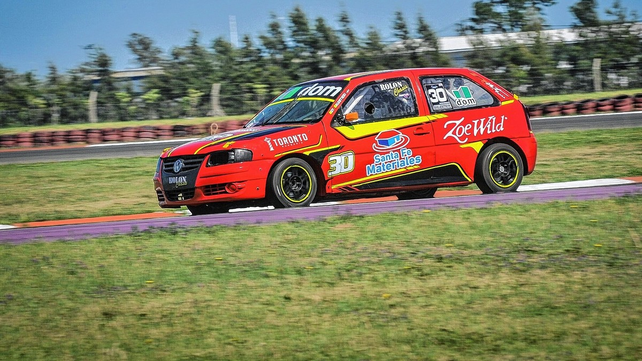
(179, 181)
(392, 144)
(461, 130)
(322, 90)
(438, 97)
(288, 141)
(391, 85)
(463, 97)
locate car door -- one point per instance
(383, 141)
(466, 114)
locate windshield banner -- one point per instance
(319, 90)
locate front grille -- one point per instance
(214, 189)
(191, 162)
(161, 197)
(180, 195)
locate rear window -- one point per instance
(451, 93)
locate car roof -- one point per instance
(394, 72)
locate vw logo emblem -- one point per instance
(178, 165)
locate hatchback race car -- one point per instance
(397, 132)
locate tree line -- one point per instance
(300, 48)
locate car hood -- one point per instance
(231, 139)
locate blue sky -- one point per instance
(36, 32)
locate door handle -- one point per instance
(421, 131)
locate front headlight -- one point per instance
(228, 157)
(239, 155)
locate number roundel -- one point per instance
(293, 183)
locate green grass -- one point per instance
(91, 188)
(556, 281)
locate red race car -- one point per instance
(402, 132)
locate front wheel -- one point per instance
(499, 169)
(292, 183)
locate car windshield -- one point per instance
(305, 103)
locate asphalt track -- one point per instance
(256, 217)
(154, 148)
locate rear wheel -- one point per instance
(499, 169)
(209, 208)
(424, 193)
(293, 184)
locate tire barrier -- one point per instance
(605, 105)
(623, 103)
(553, 109)
(587, 106)
(569, 108)
(126, 134)
(637, 101)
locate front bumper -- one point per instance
(222, 183)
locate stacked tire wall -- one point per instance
(127, 134)
(624, 103)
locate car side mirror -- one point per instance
(351, 117)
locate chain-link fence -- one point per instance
(523, 80)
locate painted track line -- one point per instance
(87, 231)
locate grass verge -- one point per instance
(92, 188)
(551, 281)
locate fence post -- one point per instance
(55, 114)
(93, 110)
(215, 101)
(597, 74)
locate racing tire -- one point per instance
(293, 183)
(423, 193)
(499, 169)
(208, 208)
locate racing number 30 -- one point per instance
(437, 95)
(341, 163)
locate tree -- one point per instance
(98, 68)
(147, 54)
(599, 38)
(190, 67)
(500, 16)
(303, 46)
(401, 54)
(585, 11)
(350, 39)
(329, 50)
(274, 41)
(429, 48)
(370, 55)
(300, 30)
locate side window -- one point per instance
(389, 99)
(448, 93)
